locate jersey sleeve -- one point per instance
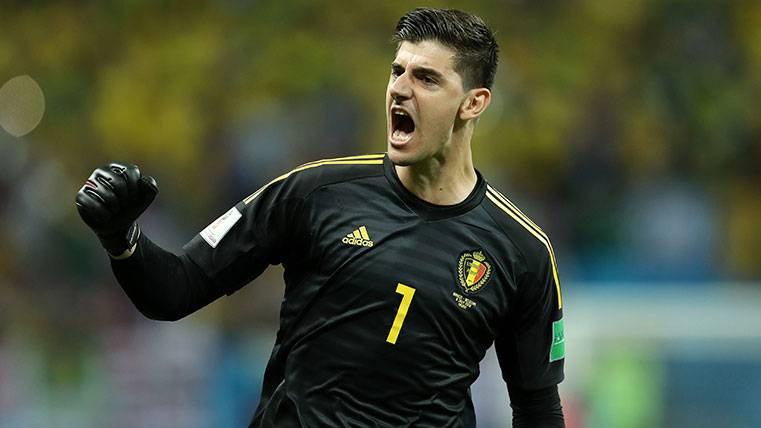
(531, 347)
(263, 229)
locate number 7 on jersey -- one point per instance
(407, 292)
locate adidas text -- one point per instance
(357, 241)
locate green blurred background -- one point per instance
(630, 130)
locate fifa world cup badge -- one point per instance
(557, 351)
(473, 271)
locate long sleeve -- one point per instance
(536, 408)
(531, 349)
(162, 285)
(531, 344)
(229, 253)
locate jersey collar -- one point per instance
(426, 209)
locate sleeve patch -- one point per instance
(219, 228)
(557, 351)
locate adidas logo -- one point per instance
(358, 237)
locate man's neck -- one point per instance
(441, 180)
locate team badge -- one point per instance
(473, 271)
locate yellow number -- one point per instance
(407, 293)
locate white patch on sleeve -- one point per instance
(219, 228)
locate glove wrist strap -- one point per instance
(121, 245)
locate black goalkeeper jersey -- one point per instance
(390, 302)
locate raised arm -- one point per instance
(161, 285)
(225, 256)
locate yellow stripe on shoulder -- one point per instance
(346, 158)
(520, 213)
(350, 160)
(532, 228)
(515, 209)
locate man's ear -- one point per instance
(475, 103)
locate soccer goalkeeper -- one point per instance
(401, 268)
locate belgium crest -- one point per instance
(473, 271)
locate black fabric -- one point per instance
(536, 408)
(353, 241)
(162, 285)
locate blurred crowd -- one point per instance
(630, 130)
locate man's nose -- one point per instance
(400, 88)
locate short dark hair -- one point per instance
(476, 50)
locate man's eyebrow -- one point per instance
(420, 70)
(427, 72)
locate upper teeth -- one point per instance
(400, 113)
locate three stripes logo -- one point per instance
(359, 237)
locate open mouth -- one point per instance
(402, 126)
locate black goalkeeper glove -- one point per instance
(111, 200)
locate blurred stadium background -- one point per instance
(629, 129)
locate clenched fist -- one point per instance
(111, 200)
